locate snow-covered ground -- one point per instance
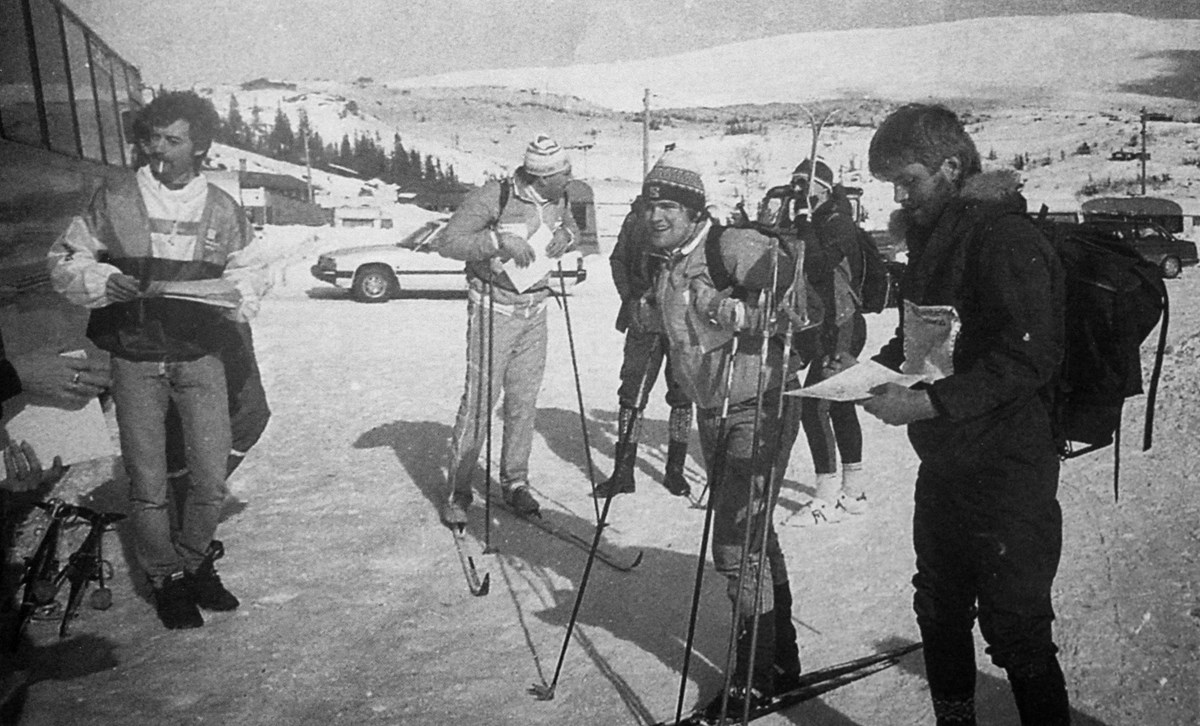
(355, 610)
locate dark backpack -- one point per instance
(875, 284)
(1114, 299)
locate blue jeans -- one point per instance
(518, 353)
(142, 392)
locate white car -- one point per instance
(376, 273)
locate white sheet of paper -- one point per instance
(855, 383)
(78, 434)
(524, 278)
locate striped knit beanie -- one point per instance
(675, 177)
(544, 157)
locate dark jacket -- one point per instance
(987, 261)
(633, 264)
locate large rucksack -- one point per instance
(1114, 299)
(875, 283)
(813, 308)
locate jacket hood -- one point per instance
(1000, 188)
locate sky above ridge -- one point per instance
(184, 42)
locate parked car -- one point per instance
(1154, 243)
(379, 272)
(1124, 155)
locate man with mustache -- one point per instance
(982, 320)
(140, 235)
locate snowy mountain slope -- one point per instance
(1024, 57)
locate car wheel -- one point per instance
(1171, 267)
(374, 284)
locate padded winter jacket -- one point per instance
(701, 321)
(1004, 284)
(115, 235)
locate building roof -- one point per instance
(276, 182)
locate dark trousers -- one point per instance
(644, 355)
(988, 545)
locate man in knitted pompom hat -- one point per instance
(518, 219)
(708, 292)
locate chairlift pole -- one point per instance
(308, 166)
(1143, 151)
(646, 133)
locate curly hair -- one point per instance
(171, 106)
(924, 134)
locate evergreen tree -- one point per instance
(281, 142)
(234, 129)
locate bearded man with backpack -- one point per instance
(983, 321)
(835, 264)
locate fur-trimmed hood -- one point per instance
(1000, 187)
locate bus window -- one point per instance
(85, 97)
(18, 105)
(110, 117)
(52, 69)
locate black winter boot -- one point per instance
(205, 585)
(762, 682)
(787, 650)
(679, 429)
(621, 481)
(1040, 691)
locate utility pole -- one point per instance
(308, 165)
(646, 133)
(1143, 151)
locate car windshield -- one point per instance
(423, 239)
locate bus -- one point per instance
(66, 99)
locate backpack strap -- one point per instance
(721, 277)
(505, 192)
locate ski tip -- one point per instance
(637, 560)
(484, 587)
(542, 692)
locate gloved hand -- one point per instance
(515, 248)
(560, 243)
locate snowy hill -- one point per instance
(1084, 58)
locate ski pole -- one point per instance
(714, 475)
(587, 447)
(491, 404)
(543, 692)
(766, 299)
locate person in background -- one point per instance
(139, 238)
(984, 300)
(714, 323)
(500, 230)
(832, 255)
(634, 265)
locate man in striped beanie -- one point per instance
(504, 225)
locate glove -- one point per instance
(560, 243)
(513, 247)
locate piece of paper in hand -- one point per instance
(524, 278)
(75, 434)
(855, 383)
